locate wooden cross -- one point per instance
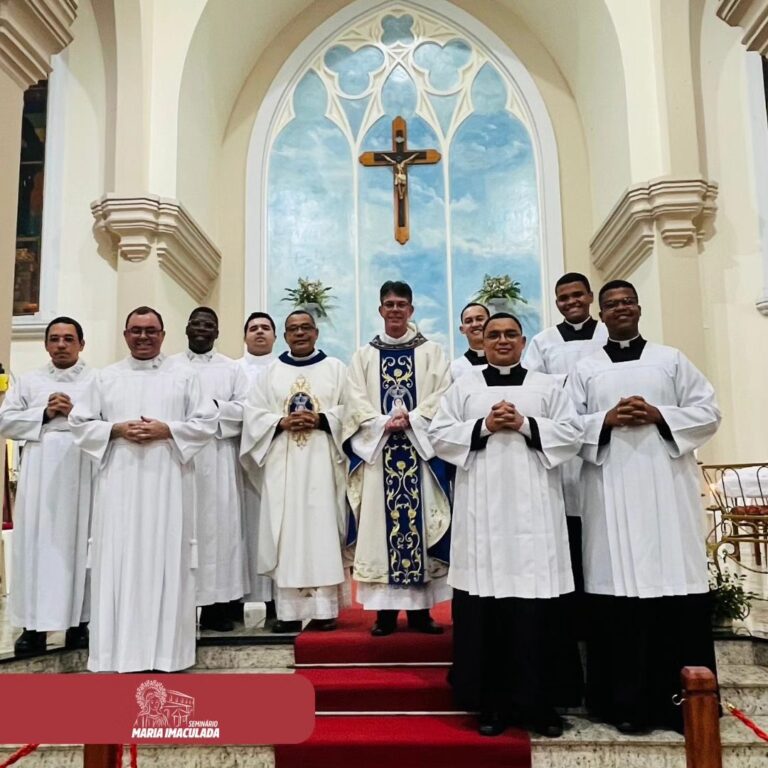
(398, 160)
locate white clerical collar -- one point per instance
(478, 352)
(314, 353)
(257, 360)
(146, 365)
(578, 326)
(624, 343)
(66, 374)
(504, 369)
(407, 336)
(200, 357)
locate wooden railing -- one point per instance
(701, 715)
(99, 755)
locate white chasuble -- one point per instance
(53, 503)
(508, 535)
(221, 571)
(143, 540)
(301, 477)
(254, 367)
(643, 515)
(399, 564)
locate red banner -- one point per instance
(156, 709)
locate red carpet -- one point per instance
(352, 642)
(386, 740)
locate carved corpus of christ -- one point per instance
(399, 159)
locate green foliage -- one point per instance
(310, 292)
(729, 598)
(499, 287)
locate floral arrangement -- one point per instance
(311, 295)
(729, 598)
(500, 287)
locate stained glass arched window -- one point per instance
(315, 212)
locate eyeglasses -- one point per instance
(307, 328)
(624, 301)
(396, 304)
(137, 333)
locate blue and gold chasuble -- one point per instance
(403, 499)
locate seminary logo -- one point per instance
(165, 714)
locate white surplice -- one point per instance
(508, 536)
(643, 516)
(548, 352)
(221, 571)
(53, 503)
(364, 426)
(301, 482)
(254, 366)
(143, 541)
(464, 364)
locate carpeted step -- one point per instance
(352, 642)
(381, 689)
(411, 741)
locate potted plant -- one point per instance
(311, 295)
(730, 600)
(499, 292)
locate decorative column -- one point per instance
(30, 33)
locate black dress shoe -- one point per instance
(322, 625)
(237, 611)
(30, 643)
(491, 724)
(386, 623)
(282, 627)
(216, 618)
(421, 621)
(549, 725)
(630, 727)
(76, 638)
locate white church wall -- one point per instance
(85, 282)
(732, 273)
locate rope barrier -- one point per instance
(739, 715)
(18, 754)
(119, 756)
(134, 756)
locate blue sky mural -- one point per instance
(474, 213)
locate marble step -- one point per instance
(584, 745)
(745, 686)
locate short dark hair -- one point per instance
(255, 315)
(399, 288)
(573, 277)
(502, 316)
(473, 304)
(65, 321)
(145, 311)
(300, 312)
(612, 285)
(204, 311)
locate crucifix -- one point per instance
(398, 160)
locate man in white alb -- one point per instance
(507, 430)
(142, 421)
(292, 433)
(221, 572)
(645, 408)
(53, 502)
(398, 488)
(473, 318)
(259, 335)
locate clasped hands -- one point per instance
(504, 415)
(298, 421)
(632, 411)
(59, 404)
(399, 421)
(143, 431)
